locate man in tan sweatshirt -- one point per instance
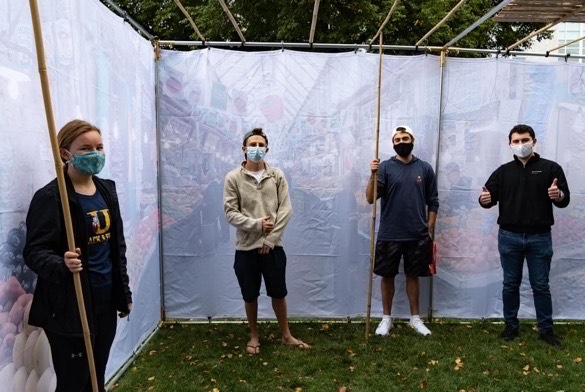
(257, 203)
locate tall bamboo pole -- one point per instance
(374, 204)
(38, 34)
(442, 60)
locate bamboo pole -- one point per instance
(38, 35)
(374, 204)
(385, 20)
(442, 60)
(474, 25)
(232, 19)
(445, 19)
(548, 26)
(314, 21)
(184, 11)
(565, 44)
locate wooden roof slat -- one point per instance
(541, 11)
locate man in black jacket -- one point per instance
(526, 190)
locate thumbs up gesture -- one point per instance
(554, 193)
(485, 197)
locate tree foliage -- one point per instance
(339, 21)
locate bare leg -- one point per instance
(281, 313)
(412, 292)
(387, 288)
(253, 346)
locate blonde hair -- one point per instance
(72, 130)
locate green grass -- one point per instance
(456, 357)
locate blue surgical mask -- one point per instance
(255, 154)
(89, 163)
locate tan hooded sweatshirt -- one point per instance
(247, 202)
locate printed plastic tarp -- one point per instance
(318, 111)
(100, 70)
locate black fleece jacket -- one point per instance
(522, 194)
(54, 305)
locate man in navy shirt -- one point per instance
(407, 187)
(526, 190)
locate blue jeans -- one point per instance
(537, 249)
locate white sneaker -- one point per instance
(419, 326)
(384, 327)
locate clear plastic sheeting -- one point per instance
(318, 112)
(101, 71)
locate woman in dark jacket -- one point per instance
(100, 258)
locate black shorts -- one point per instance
(251, 266)
(417, 256)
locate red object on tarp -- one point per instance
(434, 258)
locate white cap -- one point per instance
(402, 128)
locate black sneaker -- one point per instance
(509, 333)
(551, 339)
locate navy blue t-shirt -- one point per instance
(97, 216)
(407, 192)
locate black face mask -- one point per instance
(403, 149)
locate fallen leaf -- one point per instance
(535, 370)
(298, 389)
(215, 389)
(486, 372)
(559, 366)
(152, 352)
(526, 368)
(433, 362)
(150, 378)
(578, 360)
(342, 389)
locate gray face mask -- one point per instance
(522, 150)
